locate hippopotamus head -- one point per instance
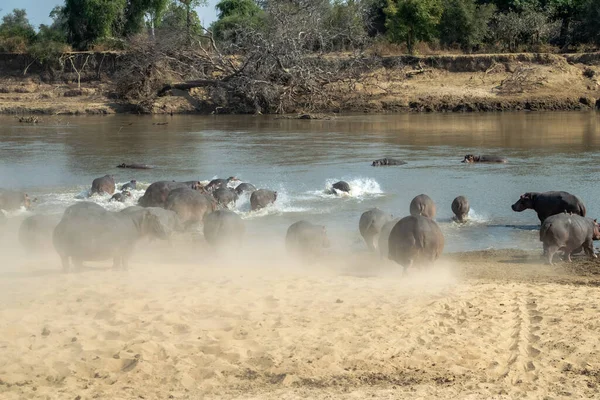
(197, 186)
(232, 179)
(469, 158)
(123, 165)
(596, 234)
(525, 202)
(376, 163)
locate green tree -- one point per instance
(16, 33)
(465, 23)
(175, 18)
(137, 12)
(234, 16)
(91, 20)
(588, 26)
(189, 6)
(57, 31)
(565, 11)
(410, 21)
(375, 17)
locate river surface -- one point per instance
(57, 159)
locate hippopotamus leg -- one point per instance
(65, 263)
(588, 248)
(549, 251)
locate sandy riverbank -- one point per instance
(496, 324)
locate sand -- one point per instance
(195, 325)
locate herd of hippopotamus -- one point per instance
(88, 232)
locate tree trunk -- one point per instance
(564, 31)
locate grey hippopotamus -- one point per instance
(219, 183)
(135, 166)
(223, 228)
(382, 162)
(261, 198)
(569, 233)
(423, 205)
(88, 232)
(415, 240)
(190, 205)
(460, 208)
(105, 184)
(370, 224)
(306, 240)
(11, 200)
(340, 186)
(131, 185)
(156, 194)
(121, 197)
(35, 232)
(225, 196)
(244, 188)
(169, 220)
(384, 237)
(549, 203)
(470, 158)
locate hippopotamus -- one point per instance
(549, 203)
(35, 232)
(470, 158)
(105, 184)
(135, 166)
(384, 237)
(131, 185)
(306, 240)
(225, 196)
(569, 233)
(156, 194)
(245, 188)
(219, 183)
(387, 161)
(13, 200)
(120, 197)
(88, 232)
(370, 224)
(261, 198)
(169, 220)
(190, 205)
(340, 186)
(223, 227)
(460, 208)
(423, 205)
(415, 239)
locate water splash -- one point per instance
(360, 188)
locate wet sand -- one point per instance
(492, 324)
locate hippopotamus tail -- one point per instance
(544, 230)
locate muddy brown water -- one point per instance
(56, 160)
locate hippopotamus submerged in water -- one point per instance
(224, 228)
(415, 240)
(549, 203)
(387, 162)
(340, 186)
(88, 232)
(131, 185)
(244, 188)
(306, 240)
(35, 232)
(225, 196)
(11, 200)
(190, 205)
(121, 197)
(460, 208)
(470, 158)
(135, 166)
(105, 184)
(156, 194)
(370, 224)
(261, 198)
(219, 183)
(569, 233)
(423, 205)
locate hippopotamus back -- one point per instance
(382, 162)
(35, 232)
(306, 240)
(244, 188)
(105, 184)
(550, 203)
(568, 232)
(370, 224)
(156, 194)
(423, 205)
(190, 205)
(415, 240)
(341, 186)
(225, 195)
(223, 228)
(460, 208)
(261, 198)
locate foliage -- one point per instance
(16, 33)
(175, 19)
(91, 20)
(236, 15)
(465, 23)
(410, 21)
(512, 30)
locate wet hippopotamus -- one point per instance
(370, 224)
(569, 233)
(224, 228)
(261, 198)
(423, 205)
(244, 188)
(135, 166)
(460, 208)
(35, 232)
(121, 197)
(384, 237)
(340, 186)
(549, 203)
(219, 183)
(88, 232)
(225, 196)
(156, 194)
(11, 200)
(415, 240)
(471, 158)
(131, 185)
(382, 162)
(306, 240)
(190, 205)
(105, 184)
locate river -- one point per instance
(58, 158)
